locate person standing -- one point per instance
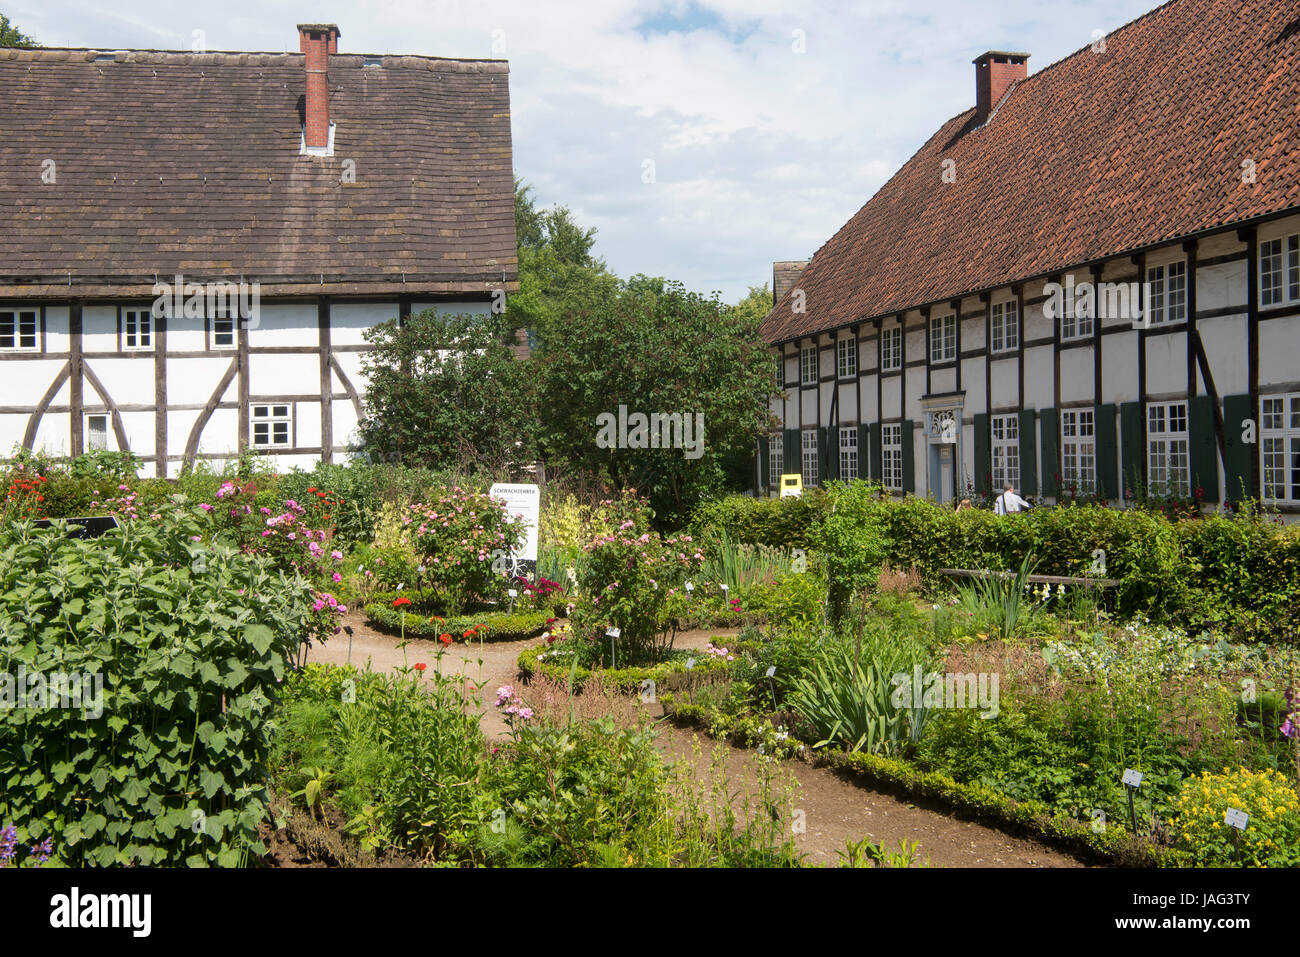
(1009, 503)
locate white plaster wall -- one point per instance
(128, 380)
(1225, 347)
(270, 375)
(1119, 367)
(1005, 380)
(1279, 351)
(192, 381)
(1038, 378)
(285, 324)
(1077, 374)
(1166, 364)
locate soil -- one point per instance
(834, 810)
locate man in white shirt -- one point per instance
(1008, 503)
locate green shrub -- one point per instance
(188, 641)
(1272, 835)
(490, 626)
(556, 663)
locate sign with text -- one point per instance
(522, 502)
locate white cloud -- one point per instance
(761, 153)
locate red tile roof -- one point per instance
(182, 162)
(1096, 155)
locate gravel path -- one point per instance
(834, 810)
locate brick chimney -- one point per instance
(995, 72)
(317, 41)
(784, 277)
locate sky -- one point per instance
(703, 139)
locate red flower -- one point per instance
(399, 602)
(445, 638)
(421, 666)
(312, 489)
(470, 633)
(440, 621)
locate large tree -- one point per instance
(448, 391)
(11, 36)
(655, 349)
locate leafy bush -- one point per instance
(186, 640)
(490, 626)
(557, 664)
(1272, 837)
(458, 534)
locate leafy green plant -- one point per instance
(187, 642)
(846, 695)
(1000, 604)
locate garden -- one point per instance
(173, 694)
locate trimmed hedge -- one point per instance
(1236, 574)
(666, 674)
(500, 625)
(1113, 845)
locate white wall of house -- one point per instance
(284, 348)
(1119, 363)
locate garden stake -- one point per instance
(1132, 814)
(1132, 781)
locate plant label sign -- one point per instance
(1236, 818)
(1132, 778)
(690, 587)
(512, 592)
(771, 670)
(690, 663)
(614, 633)
(523, 504)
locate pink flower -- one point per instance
(206, 507)
(338, 577)
(337, 556)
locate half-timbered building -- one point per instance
(192, 245)
(1088, 284)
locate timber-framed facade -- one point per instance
(960, 350)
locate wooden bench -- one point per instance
(1035, 579)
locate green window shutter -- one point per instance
(909, 466)
(1051, 446)
(764, 463)
(1028, 453)
(1133, 447)
(983, 453)
(791, 451)
(1238, 456)
(877, 451)
(1204, 448)
(828, 461)
(1103, 417)
(864, 459)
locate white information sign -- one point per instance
(521, 502)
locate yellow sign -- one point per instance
(792, 485)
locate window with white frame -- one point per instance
(891, 456)
(1078, 452)
(222, 326)
(891, 349)
(137, 329)
(1280, 447)
(1169, 464)
(1004, 320)
(96, 431)
(18, 330)
(809, 457)
(1167, 293)
(1006, 450)
(272, 426)
(1279, 271)
(1077, 317)
(775, 458)
(808, 365)
(779, 374)
(849, 453)
(943, 338)
(846, 358)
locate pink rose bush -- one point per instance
(458, 535)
